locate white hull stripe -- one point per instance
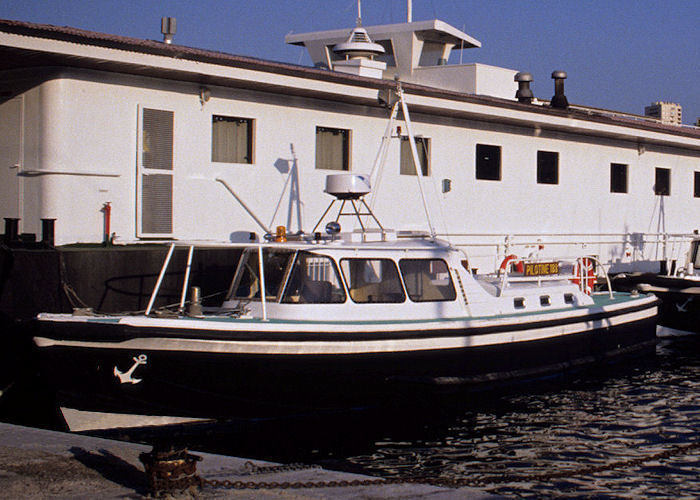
(350, 346)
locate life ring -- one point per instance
(517, 264)
(584, 275)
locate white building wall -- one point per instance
(81, 143)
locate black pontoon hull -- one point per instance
(680, 298)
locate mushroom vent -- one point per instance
(347, 186)
(358, 45)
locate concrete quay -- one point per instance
(37, 463)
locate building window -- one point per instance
(488, 162)
(662, 185)
(232, 139)
(423, 149)
(547, 167)
(618, 178)
(332, 148)
(696, 191)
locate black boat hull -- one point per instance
(226, 385)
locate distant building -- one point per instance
(666, 112)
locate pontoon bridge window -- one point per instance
(427, 280)
(423, 149)
(696, 191)
(662, 183)
(314, 280)
(372, 280)
(547, 167)
(332, 148)
(488, 162)
(618, 178)
(246, 283)
(232, 139)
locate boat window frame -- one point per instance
(290, 271)
(396, 270)
(235, 283)
(453, 298)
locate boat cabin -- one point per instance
(344, 279)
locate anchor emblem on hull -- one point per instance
(684, 306)
(126, 377)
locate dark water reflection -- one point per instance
(541, 440)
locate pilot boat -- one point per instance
(341, 319)
(338, 320)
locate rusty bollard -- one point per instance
(170, 470)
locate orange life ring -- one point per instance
(517, 263)
(584, 275)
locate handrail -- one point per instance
(156, 288)
(506, 278)
(188, 269)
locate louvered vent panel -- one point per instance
(157, 204)
(157, 139)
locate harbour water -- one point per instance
(628, 431)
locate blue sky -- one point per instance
(619, 54)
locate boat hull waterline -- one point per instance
(228, 368)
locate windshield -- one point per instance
(246, 284)
(314, 280)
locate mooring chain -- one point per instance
(250, 468)
(448, 482)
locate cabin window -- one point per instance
(423, 149)
(618, 178)
(246, 283)
(547, 167)
(696, 191)
(545, 300)
(314, 280)
(488, 162)
(427, 280)
(662, 184)
(372, 280)
(232, 139)
(332, 148)
(569, 298)
(519, 302)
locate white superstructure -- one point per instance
(169, 142)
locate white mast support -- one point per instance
(409, 11)
(239, 200)
(261, 271)
(359, 13)
(156, 288)
(416, 163)
(380, 159)
(187, 279)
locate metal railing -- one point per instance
(580, 264)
